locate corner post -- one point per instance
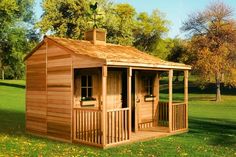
(186, 95)
(170, 98)
(104, 100)
(129, 75)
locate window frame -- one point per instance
(148, 85)
(86, 87)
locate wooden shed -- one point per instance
(100, 94)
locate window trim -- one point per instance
(87, 87)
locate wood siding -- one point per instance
(59, 92)
(81, 61)
(114, 90)
(36, 96)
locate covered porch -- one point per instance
(116, 104)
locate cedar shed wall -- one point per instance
(59, 92)
(36, 95)
(49, 92)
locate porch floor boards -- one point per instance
(149, 133)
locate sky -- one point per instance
(176, 11)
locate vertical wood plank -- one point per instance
(170, 98)
(157, 93)
(72, 100)
(115, 126)
(75, 128)
(186, 95)
(122, 125)
(125, 127)
(94, 126)
(108, 127)
(112, 127)
(129, 75)
(137, 114)
(104, 100)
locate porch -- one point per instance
(115, 119)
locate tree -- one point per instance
(16, 32)
(178, 53)
(213, 44)
(119, 23)
(71, 18)
(149, 33)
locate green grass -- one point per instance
(212, 129)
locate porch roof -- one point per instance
(116, 55)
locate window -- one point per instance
(148, 85)
(86, 86)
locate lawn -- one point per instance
(212, 129)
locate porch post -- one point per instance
(186, 95)
(158, 87)
(129, 75)
(156, 101)
(170, 98)
(136, 103)
(104, 98)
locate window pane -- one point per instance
(151, 82)
(89, 92)
(84, 92)
(150, 90)
(89, 81)
(84, 81)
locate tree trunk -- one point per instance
(3, 74)
(218, 93)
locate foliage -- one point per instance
(119, 23)
(71, 18)
(16, 35)
(178, 51)
(212, 132)
(213, 44)
(149, 33)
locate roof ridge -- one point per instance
(109, 44)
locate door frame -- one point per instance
(135, 101)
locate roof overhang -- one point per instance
(145, 65)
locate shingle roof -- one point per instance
(115, 54)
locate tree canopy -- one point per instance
(213, 41)
(71, 18)
(17, 35)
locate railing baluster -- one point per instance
(87, 125)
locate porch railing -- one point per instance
(87, 126)
(179, 115)
(163, 113)
(117, 125)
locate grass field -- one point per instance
(212, 129)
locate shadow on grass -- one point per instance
(12, 85)
(12, 122)
(218, 132)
